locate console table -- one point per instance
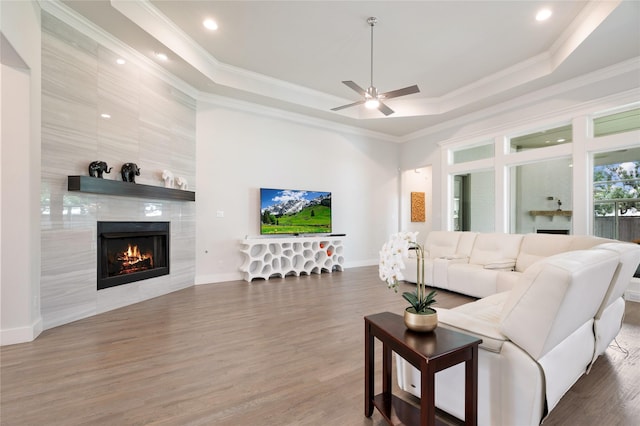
(428, 352)
(267, 257)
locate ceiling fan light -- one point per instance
(372, 103)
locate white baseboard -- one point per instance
(360, 263)
(12, 336)
(219, 278)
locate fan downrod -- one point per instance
(371, 98)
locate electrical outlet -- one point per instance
(220, 213)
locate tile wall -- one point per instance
(151, 124)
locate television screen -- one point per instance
(287, 211)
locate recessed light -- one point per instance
(120, 61)
(162, 56)
(561, 140)
(105, 115)
(543, 15)
(210, 24)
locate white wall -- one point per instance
(20, 169)
(242, 148)
(416, 180)
(422, 154)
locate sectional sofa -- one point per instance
(549, 306)
(482, 264)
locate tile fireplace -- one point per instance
(131, 251)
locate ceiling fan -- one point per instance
(370, 97)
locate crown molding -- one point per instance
(589, 18)
(150, 19)
(629, 66)
(59, 10)
(561, 115)
(296, 118)
(144, 14)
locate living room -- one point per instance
(228, 148)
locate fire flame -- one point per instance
(132, 256)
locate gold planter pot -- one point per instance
(420, 322)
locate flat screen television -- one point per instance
(289, 211)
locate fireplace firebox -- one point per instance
(131, 251)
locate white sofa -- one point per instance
(541, 335)
(482, 264)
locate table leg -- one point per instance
(369, 369)
(471, 389)
(427, 395)
(386, 371)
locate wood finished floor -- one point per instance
(280, 352)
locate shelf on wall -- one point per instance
(126, 189)
(566, 213)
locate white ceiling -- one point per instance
(293, 55)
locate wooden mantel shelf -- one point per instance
(566, 213)
(127, 189)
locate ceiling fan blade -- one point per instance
(355, 87)
(347, 106)
(400, 92)
(385, 109)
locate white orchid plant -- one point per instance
(392, 257)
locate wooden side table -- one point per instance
(429, 353)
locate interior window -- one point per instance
(479, 152)
(541, 196)
(617, 123)
(542, 139)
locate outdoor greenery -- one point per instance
(619, 181)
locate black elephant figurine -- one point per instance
(129, 172)
(97, 168)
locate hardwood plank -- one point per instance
(279, 352)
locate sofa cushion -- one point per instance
(584, 242)
(471, 279)
(465, 243)
(441, 243)
(481, 318)
(536, 247)
(539, 246)
(493, 247)
(556, 296)
(507, 280)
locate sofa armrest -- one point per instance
(488, 331)
(501, 265)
